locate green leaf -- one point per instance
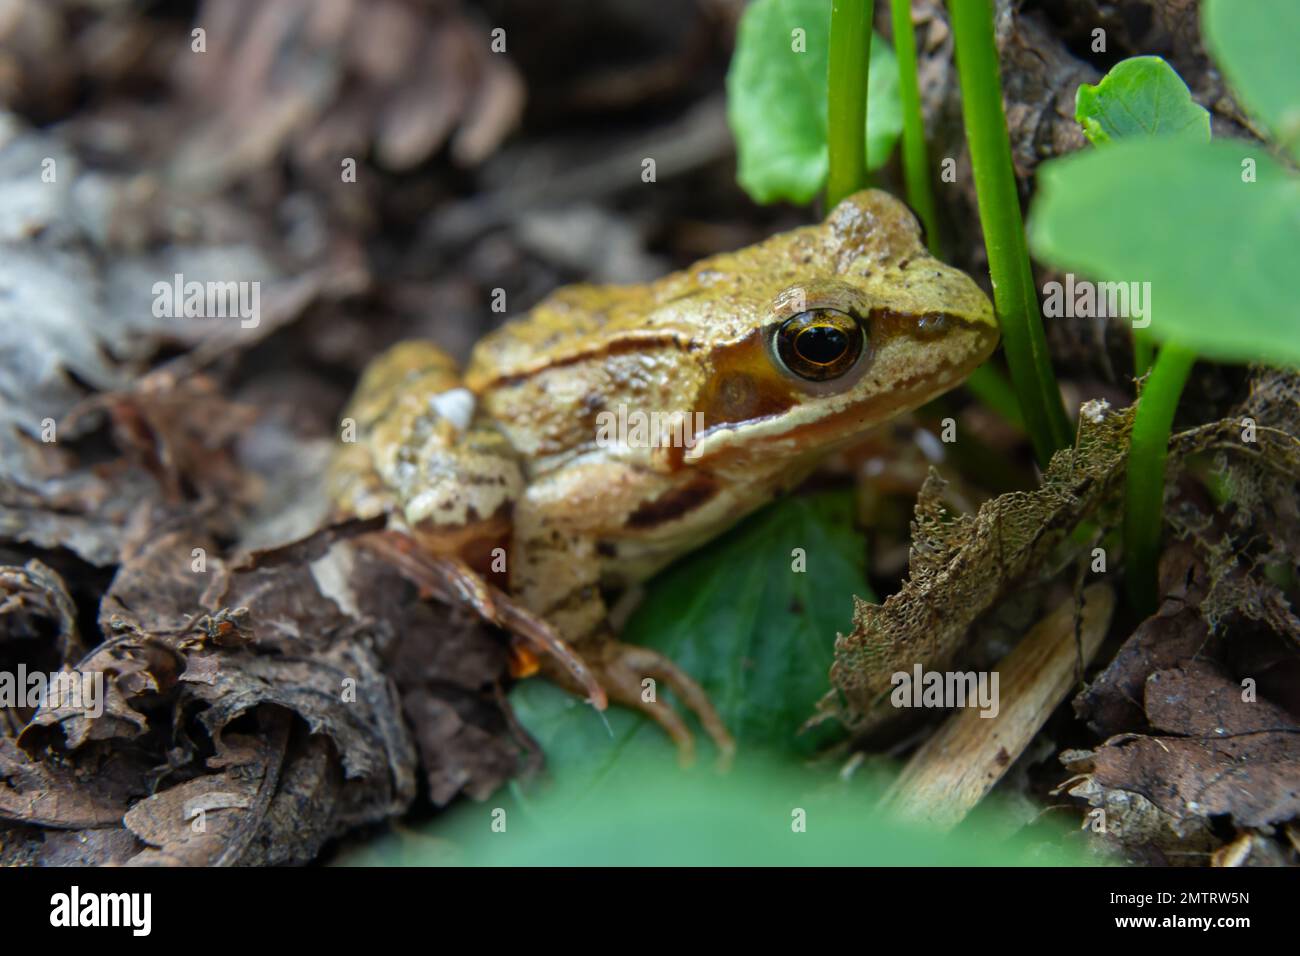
(776, 100)
(1141, 96)
(1218, 251)
(760, 814)
(754, 616)
(757, 635)
(1254, 44)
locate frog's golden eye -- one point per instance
(820, 344)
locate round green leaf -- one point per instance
(1140, 96)
(1217, 250)
(776, 99)
(1254, 44)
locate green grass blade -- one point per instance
(1004, 236)
(850, 59)
(916, 162)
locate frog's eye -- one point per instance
(820, 344)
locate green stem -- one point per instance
(1143, 353)
(1004, 234)
(1148, 448)
(916, 163)
(846, 105)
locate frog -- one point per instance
(774, 357)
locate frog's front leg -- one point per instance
(447, 482)
(556, 571)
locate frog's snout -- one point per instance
(966, 302)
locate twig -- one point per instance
(961, 762)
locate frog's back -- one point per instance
(718, 299)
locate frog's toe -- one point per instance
(627, 666)
(624, 687)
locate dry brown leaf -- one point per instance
(961, 565)
(54, 793)
(1112, 702)
(33, 601)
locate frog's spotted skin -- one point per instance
(420, 456)
(526, 469)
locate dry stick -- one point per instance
(968, 754)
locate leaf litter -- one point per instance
(1197, 712)
(268, 684)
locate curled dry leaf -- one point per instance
(89, 794)
(213, 819)
(461, 727)
(38, 635)
(1133, 826)
(961, 565)
(33, 601)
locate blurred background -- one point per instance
(475, 170)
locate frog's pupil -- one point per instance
(818, 345)
(822, 344)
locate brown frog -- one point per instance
(541, 469)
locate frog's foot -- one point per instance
(623, 669)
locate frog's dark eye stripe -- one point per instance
(820, 344)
